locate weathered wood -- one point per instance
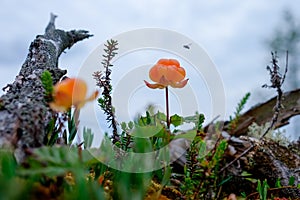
(24, 114)
(263, 113)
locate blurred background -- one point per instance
(237, 35)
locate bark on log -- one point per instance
(24, 114)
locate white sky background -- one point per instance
(232, 32)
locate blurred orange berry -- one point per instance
(71, 91)
(167, 72)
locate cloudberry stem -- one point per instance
(167, 108)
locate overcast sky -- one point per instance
(232, 32)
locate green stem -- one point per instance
(167, 107)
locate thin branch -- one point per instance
(277, 80)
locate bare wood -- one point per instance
(263, 113)
(24, 114)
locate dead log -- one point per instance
(24, 113)
(263, 113)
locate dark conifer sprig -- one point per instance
(104, 82)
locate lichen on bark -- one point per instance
(24, 113)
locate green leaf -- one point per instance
(130, 125)
(142, 121)
(176, 120)
(259, 189)
(243, 194)
(167, 175)
(218, 154)
(148, 118)
(53, 161)
(123, 126)
(225, 180)
(161, 116)
(147, 131)
(8, 164)
(200, 122)
(53, 138)
(202, 150)
(265, 189)
(192, 119)
(190, 135)
(234, 120)
(88, 137)
(142, 145)
(72, 128)
(291, 181)
(246, 174)
(278, 183)
(47, 84)
(52, 133)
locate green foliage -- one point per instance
(83, 190)
(201, 170)
(262, 189)
(176, 120)
(243, 194)
(55, 129)
(234, 120)
(200, 122)
(218, 154)
(125, 138)
(9, 179)
(52, 132)
(72, 127)
(46, 169)
(291, 181)
(8, 164)
(278, 183)
(88, 137)
(50, 164)
(47, 83)
(130, 185)
(62, 128)
(52, 161)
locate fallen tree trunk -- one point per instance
(24, 113)
(263, 113)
